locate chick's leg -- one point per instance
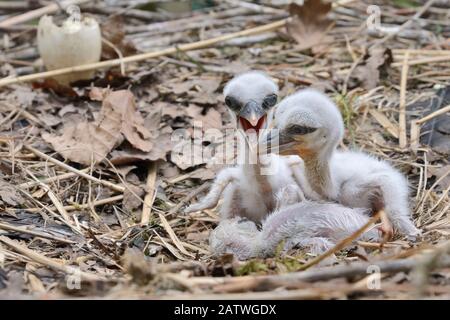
(386, 228)
(225, 177)
(378, 207)
(390, 194)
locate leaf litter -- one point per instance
(96, 152)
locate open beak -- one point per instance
(252, 116)
(273, 142)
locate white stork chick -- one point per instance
(310, 125)
(313, 225)
(248, 190)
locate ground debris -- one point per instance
(76, 162)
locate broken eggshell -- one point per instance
(75, 42)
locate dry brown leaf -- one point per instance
(130, 155)
(212, 118)
(84, 142)
(180, 87)
(125, 170)
(201, 90)
(172, 110)
(119, 106)
(206, 88)
(187, 154)
(161, 138)
(377, 63)
(9, 195)
(309, 22)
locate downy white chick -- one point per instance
(310, 125)
(248, 190)
(314, 225)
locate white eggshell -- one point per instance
(74, 43)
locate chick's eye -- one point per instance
(270, 101)
(232, 103)
(299, 130)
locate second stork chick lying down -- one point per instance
(250, 188)
(310, 125)
(315, 226)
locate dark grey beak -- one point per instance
(274, 142)
(252, 112)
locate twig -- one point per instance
(14, 5)
(418, 14)
(173, 236)
(33, 14)
(191, 195)
(433, 115)
(144, 56)
(64, 176)
(41, 259)
(292, 280)
(169, 247)
(72, 169)
(384, 122)
(312, 293)
(151, 193)
(56, 202)
(118, 52)
(78, 206)
(342, 244)
(416, 125)
(423, 61)
(255, 7)
(402, 114)
(347, 78)
(5, 226)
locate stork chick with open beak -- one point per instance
(247, 191)
(249, 98)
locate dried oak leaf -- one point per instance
(309, 22)
(120, 106)
(205, 91)
(375, 67)
(130, 155)
(84, 142)
(199, 90)
(211, 119)
(161, 136)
